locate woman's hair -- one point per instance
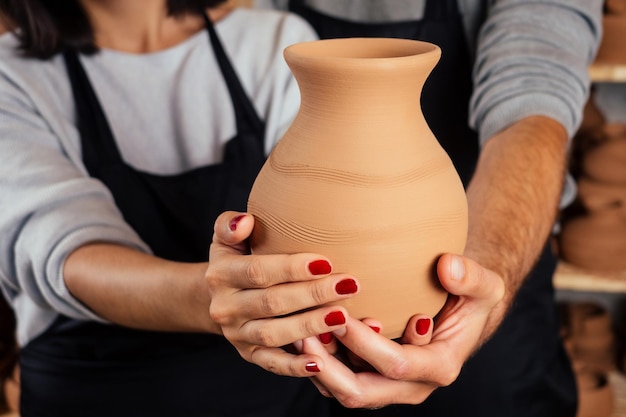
(45, 27)
(8, 347)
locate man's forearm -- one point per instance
(513, 200)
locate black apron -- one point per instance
(90, 369)
(523, 369)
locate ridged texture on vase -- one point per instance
(360, 178)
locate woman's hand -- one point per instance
(263, 303)
(408, 372)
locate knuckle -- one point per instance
(499, 290)
(270, 364)
(448, 373)
(264, 336)
(294, 269)
(271, 303)
(479, 280)
(255, 273)
(294, 369)
(354, 399)
(218, 314)
(400, 370)
(308, 328)
(211, 279)
(318, 293)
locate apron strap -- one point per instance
(437, 10)
(245, 115)
(97, 140)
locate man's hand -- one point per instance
(408, 372)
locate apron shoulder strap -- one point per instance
(245, 113)
(436, 10)
(97, 140)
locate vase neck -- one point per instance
(362, 77)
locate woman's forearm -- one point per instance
(137, 290)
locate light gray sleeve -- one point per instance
(532, 59)
(48, 207)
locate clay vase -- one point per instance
(360, 178)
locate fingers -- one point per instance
(232, 228)
(362, 389)
(279, 300)
(430, 356)
(356, 362)
(280, 362)
(329, 342)
(386, 356)
(418, 331)
(282, 331)
(255, 271)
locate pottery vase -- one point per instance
(360, 178)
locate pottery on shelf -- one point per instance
(596, 397)
(360, 178)
(607, 161)
(596, 241)
(590, 335)
(616, 7)
(598, 196)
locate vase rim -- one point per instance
(361, 49)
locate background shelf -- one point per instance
(610, 62)
(571, 277)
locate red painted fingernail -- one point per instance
(375, 328)
(233, 222)
(346, 286)
(422, 326)
(320, 267)
(326, 338)
(312, 367)
(334, 318)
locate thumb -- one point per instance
(464, 277)
(231, 229)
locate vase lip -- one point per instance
(362, 49)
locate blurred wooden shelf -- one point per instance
(571, 277)
(607, 73)
(618, 381)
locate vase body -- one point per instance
(359, 177)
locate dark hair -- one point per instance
(45, 27)
(8, 347)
